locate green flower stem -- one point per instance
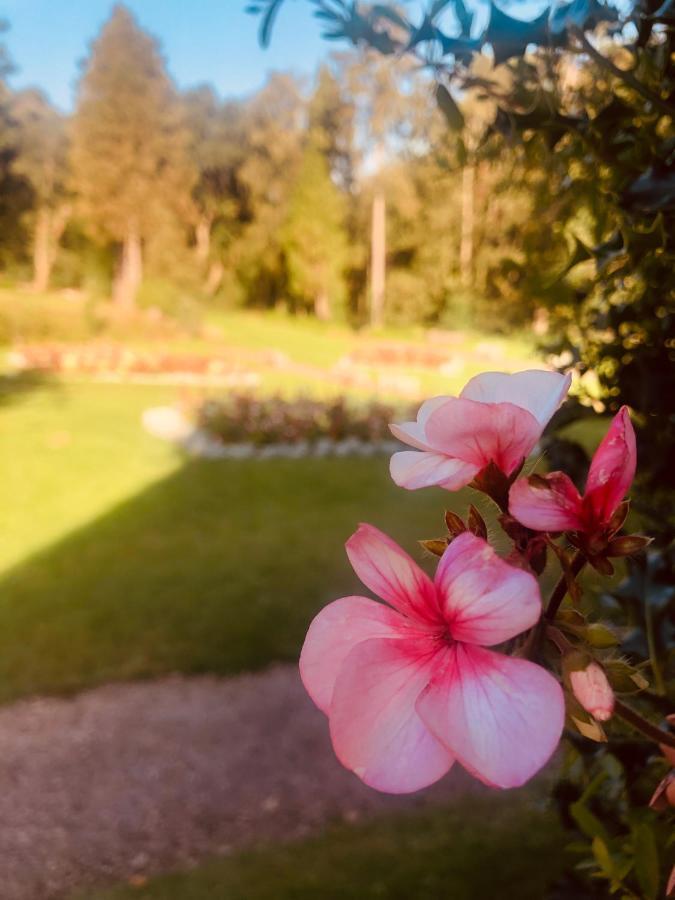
(559, 591)
(644, 726)
(653, 656)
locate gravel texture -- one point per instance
(130, 779)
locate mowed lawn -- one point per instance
(121, 559)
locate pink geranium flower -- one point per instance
(497, 418)
(410, 687)
(552, 502)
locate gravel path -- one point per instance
(131, 779)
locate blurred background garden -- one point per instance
(223, 271)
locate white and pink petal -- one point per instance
(501, 717)
(413, 433)
(333, 634)
(413, 469)
(392, 574)
(479, 433)
(485, 600)
(374, 725)
(612, 468)
(548, 503)
(538, 391)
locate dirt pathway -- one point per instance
(136, 778)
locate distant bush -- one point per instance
(245, 418)
(40, 317)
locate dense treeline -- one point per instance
(346, 198)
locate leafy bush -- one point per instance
(38, 317)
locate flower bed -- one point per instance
(113, 359)
(263, 422)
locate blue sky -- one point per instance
(203, 40)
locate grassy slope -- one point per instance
(499, 847)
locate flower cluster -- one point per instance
(99, 358)
(274, 420)
(424, 679)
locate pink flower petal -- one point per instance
(501, 717)
(334, 632)
(375, 729)
(479, 432)
(485, 600)
(555, 506)
(613, 467)
(539, 392)
(412, 469)
(391, 574)
(413, 433)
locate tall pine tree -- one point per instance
(129, 158)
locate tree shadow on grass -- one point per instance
(15, 386)
(218, 568)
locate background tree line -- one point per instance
(345, 198)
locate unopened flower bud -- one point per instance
(593, 691)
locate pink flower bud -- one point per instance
(593, 691)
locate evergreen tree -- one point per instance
(314, 236)
(129, 156)
(15, 195)
(41, 161)
(217, 148)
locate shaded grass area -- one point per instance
(143, 564)
(498, 846)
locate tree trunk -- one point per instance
(129, 273)
(203, 238)
(378, 260)
(43, 256)
(466, 239)
(215, 277)
(322, 306)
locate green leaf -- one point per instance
(511, 37)
(603, 857)
(646, 860)
(600, 636)
(591, 826)
(449, 108)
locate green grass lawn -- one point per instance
(496, 846)
(120, 559)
